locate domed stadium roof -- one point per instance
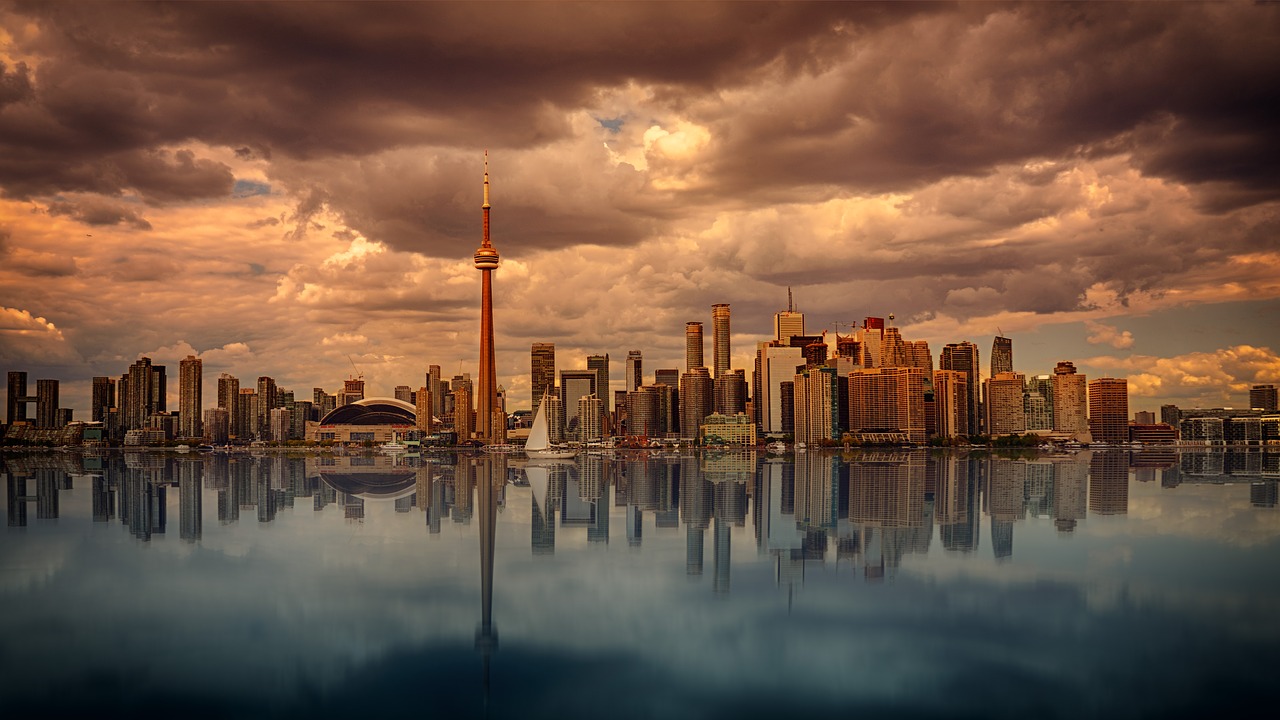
(373, 411)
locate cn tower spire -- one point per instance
(486, 260)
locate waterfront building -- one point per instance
(217, 426)
(464, 422)
(1006, 412)
(719, 339)
(777, 365)
(1263, 397)
(555, 415)
(229, 400)
(16, 399)
(372, 420)
(1070, 400)
(103, 399)
(720, 429)
(692, 346)
(816, 405)
(887, 400)
(1109, 410)
(1144, 417)
(642, 412)
(542, 371)
(950, 402)
(963, 357)
(731, 392)
(244, 422)
(425, 410)
(697, 400)
(47, 404)
(190, 397)
(590, 412)
(1037, 402)
(323, 403)
(600, 363)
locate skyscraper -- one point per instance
(720, 339)
(1005, 412)
(1109, 410)
(436, 388)
(777, 366)
(104, 398)
(817, 408)
(950, 403)
(697, 398)
(1070, 400)
(787, 323)
(15, 405)
(1001, 356)
(963, 356)
(138, 396)
(600, 363)
(692, 346)
(634, 371)
(486, 260)
(542, 371)
(575, 384)
(190, 397)
(47, 404)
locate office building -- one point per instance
(643, 419)
(1109, 410)
(1070, 400)
(1037, 403)
(542, 371)
(590, 412)
(634, 371)
(731, 392)
(719, 339)
(403, 393)
(787, 323)
(692, 346)
(600, 363)
(190, 397)
(1001, 356)
(963, 357)
(777, 365)
(574, 385)
(1263, 397)
(1006, 413)
(435, 385)
(917, 354)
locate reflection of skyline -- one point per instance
(868, 510)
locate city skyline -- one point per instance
(275, 212)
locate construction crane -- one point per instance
(359, 375)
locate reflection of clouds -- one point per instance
(1218, 513)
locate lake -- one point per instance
(634, 584)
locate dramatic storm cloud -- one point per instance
(291, 189)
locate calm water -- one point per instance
(1104, 584)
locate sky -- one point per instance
(294, 189)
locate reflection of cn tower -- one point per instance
(486, 261)
(490, 473)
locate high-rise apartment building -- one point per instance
(1001, 356)
(138, 404)
(104, 398)
(719, 339)
(190, 397)
(464, 423)
(352, 391)
(435, 386)
(590, 412)
(217, 426)
(643, 418)
(229, 400)
(159, 389)
(1263, 397)
(887, 400)
(16, 400)
(963, 357)
(1070, 399)
(692, 346)
(555, 416)
(1005, 411)
(403, 393)
(245, 421)
(697, 400)
(731, 392)
(816, 405)
(1109, 410)
(600, 363)
(268, 399)
(47, 404)
(542, 371)
(634, 371)
(950, 403)
(1037, 402)
(425, 410)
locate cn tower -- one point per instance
(486, 262)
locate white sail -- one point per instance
(539, 438)
(538, 481)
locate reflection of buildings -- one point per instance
(190, 500)
(1109, 483)
(1069, 495)
(956, 503)
(886, 492)
(1005, 502)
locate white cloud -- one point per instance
(1102, 334)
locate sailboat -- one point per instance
(539, 445)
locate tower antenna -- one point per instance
(790, 305)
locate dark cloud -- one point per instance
(92, 210)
